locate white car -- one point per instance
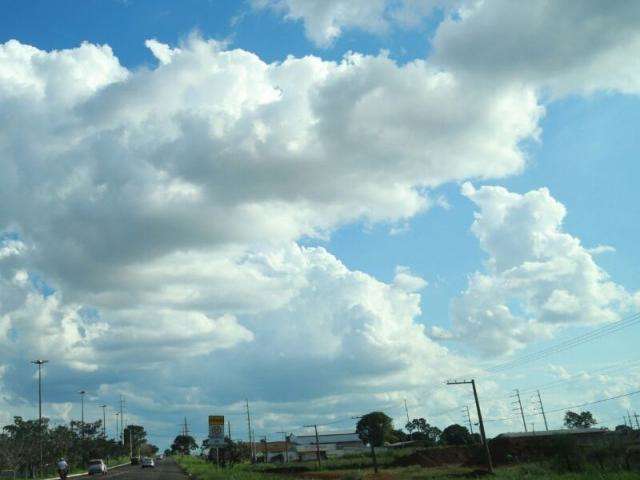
(147, 462)
(97, 467)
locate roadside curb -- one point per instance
(86, 474)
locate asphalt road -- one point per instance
(164, 470)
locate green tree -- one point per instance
(455, 435)
(579, 420)
(375, 428)
(134, 437)
(424, 432)
(183, 445)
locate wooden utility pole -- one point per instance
(519, 403)
(480, 422)
(253, 458)
(468, 416)
(544, 416)
(317, 443)
(265, 450)
(406, 411)
(285, 457)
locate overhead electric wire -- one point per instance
(565, 408)
(569, 343)
(573, 378)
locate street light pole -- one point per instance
(40, 363)
(104, 420)
(82, 394)
(117, 425)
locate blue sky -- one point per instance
(141, 209)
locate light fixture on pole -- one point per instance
(40, 363)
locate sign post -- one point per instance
(216, 434)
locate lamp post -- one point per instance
(40, 363)
(82, 394)
(117, 414)
(104, 420)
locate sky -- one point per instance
(324, 207)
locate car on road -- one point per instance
(97, 467)
(147, 462)
(135, 460)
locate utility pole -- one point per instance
(468, 416)
(104, 420)
(229, 428)
(317, 443)
(482, 433)
(117, 414)
(635, 415)
(265, 450)
(519, 403)
(40, 363)
(544, 416)
(130, 442)
(630, 422)
(253, 458)
(82, 394)
(122, 405)
(406, 411)
(285, 457)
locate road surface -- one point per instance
(164, 470)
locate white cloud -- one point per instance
(407, 281)
(538, 277)
(561, 47)
(558, 47)
(216, 147)
(325, 21)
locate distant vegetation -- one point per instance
(20, 445)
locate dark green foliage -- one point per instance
(456, 435)
(375, 428)
(579, 420)
(420, 430)
(183, 445)
(20, 445)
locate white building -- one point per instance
(329, 445)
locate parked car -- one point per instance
(135, 460)
(97, 467)
(147, 462)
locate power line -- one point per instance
(569, 343)
(562, 409)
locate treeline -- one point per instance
(376, 428)
(77, 443)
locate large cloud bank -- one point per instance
(156, 213)
(538, 279)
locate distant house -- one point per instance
(276, 451)
(329, 445)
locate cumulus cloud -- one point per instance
(558, 47)
(538, 277)
(216, 147)
(325, 21)
(163, 206)
(561, 47)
